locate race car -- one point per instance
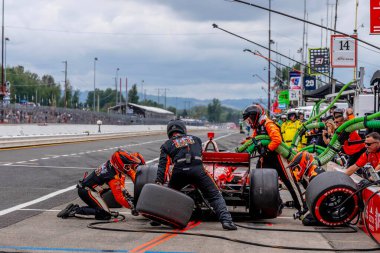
(240, 183)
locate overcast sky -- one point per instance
(170, 44)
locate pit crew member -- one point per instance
(109, 176)
(185, 151)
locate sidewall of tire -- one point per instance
(145, 174)
(322, 186)
(165, 205)
(264, 195)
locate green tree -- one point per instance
(132, 95)
(214, 110)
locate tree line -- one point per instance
(45, 91)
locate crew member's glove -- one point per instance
(363, 183)
(262, 150)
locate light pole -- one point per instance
(95, 59)
(2, 54)
(269, 51)
(116, 77)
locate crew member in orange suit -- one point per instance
(255, 116)
(109, 176)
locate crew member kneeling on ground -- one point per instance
(185, 152)
(109, 176)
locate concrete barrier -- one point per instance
(13, 136)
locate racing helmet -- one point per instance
(176, 126)
(255, 113)
(123, 161)
(291, 112)
(300, 164)
(300, 112)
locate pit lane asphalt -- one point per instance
(38, 182)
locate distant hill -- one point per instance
(181, 103)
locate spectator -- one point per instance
(350, 113)
(328, 132)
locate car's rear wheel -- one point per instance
(165, 205)
(144, 175)
(264, 196)
(331, 198)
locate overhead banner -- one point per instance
(319, 61)
(374, 13)
(295, 80)
(343, 51)
(309, 82)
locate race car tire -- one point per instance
(165, 205)
(264, 195)
(326, 192)
(144, 175)
(110, 200)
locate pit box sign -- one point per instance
(343, 51)
(295, 80)
(309, 82)
(374, 13)
(319, 61)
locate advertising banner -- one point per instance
(343, 51)
(295, 80)
(294, 95)
(283, 98)
(319, 61)
(309, 82)
(374, 13)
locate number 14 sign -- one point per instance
(343, 51)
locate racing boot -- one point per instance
(229, 225)
(69, 211)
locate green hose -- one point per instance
(326, 154)
(297, 138)
(346, 128)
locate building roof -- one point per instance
(151, 109)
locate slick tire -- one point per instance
(165, 205)
(327, 192)
(264, 195)
(144, 175)
(110, 200)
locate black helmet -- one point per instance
(176, 126)
(254, 112)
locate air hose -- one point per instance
(97, 225)
(341, 134)
(298, 135)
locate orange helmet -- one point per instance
(300, 164)
(123, 161)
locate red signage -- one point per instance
(375, 17)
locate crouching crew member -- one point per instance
(185, 151)
(109, 176)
